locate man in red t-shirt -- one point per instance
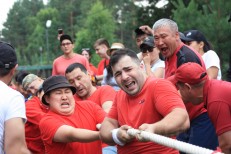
(78, 76)
(144, 103)
(69, 56)
(35, 110)
(69, 126)
(195, 87)
(167, 40)
(101, 47)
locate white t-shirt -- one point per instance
(159, 63)
(211, 59)
(12, 105)
(110, 82)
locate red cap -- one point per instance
(191, 73)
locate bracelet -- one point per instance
(115, 138)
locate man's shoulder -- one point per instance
(187, 54)
(101, 61)
(59, 58)
(8, 92)
(85, 104)
(105, 87)
(151, 82)
(79, 56)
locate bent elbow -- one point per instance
(226, 148)
(186, 123)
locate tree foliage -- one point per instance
(98, 24)
(88, 20)
(211, 18)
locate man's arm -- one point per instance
(67, 133)
(105, 130)
(212, 72)
(15, 137)
(225, 142)
(175, 122)
(107, 106)
(148, 30)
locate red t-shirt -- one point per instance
(93, 69)
(217, 99)
(102, 64)
(182, 55)
(85, 116)
(34, 113)
(61, 63)
(157, 98)
(101, 95)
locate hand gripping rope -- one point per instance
(172, 143)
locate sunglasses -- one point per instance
(146, 49)
(86, 49)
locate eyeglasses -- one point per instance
(146, 48)
(66, 44)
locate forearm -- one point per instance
(148, 69)
(19, 149)
(15, 137)
(107, 106)
(174, 123)
(105, 131)
(84, 135)
(70, 134)
(225, 142)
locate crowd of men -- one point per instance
(168, 88)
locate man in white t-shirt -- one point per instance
(12, 106)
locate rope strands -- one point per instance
(169, 142)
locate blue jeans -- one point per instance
(110, 150)
(201, 133)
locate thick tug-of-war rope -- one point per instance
(172, 143)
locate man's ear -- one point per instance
(187, 87)
(201, 44)
(142, 66)
(13, 70)
(46, 99)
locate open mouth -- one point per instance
(164, 50)
(65, 104)
(130, 85)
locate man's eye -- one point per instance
(117, 74)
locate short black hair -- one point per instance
(73, 66)
(139, 32)
(20, 75)
(120, 53)
(65, 37)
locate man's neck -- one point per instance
(6, 79)
(69, 55)
(91, 91)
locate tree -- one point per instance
(17, 30)
(98, 24)
(210, 17)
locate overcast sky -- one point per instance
(5, 6)
(4, 9)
